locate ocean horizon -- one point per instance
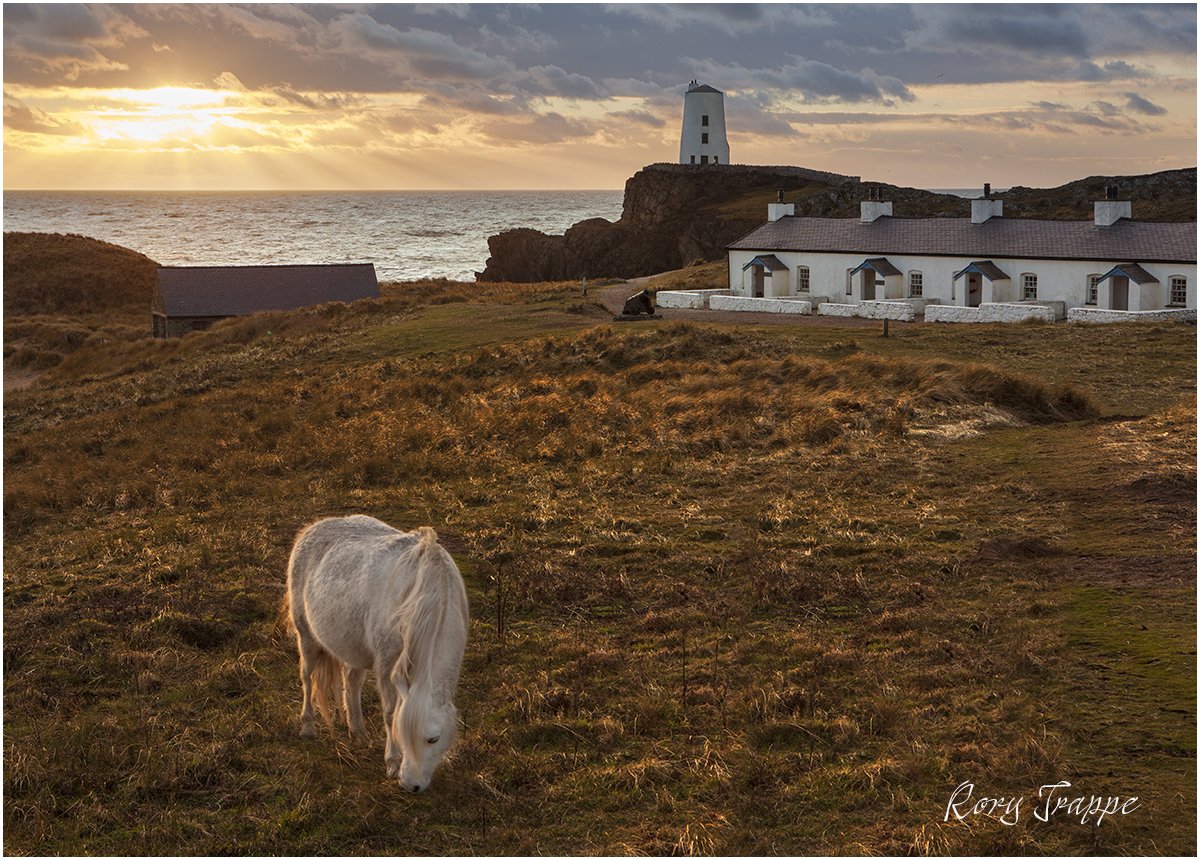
(408, 235)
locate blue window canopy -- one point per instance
(767, 261)
(878, 265)
(983, 267)
(1132, 271)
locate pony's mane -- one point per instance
(422, 616)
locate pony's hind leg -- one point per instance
(310, 652)
(353, 684)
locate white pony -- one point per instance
(362, 595)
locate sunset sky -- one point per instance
(570, 96)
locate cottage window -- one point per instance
(704, 119)
(716, 160)
(802, 278)
(201, 325)
(704, 159)
(704, 137)
(1092, 289)
(916, 284)
(693, 159)
(1178, 290)
(1029, 288)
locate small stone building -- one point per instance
(192, 298)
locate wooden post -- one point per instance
(885, 326)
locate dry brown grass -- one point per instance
(49, 273)
(733, 591)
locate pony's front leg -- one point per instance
(390, 699)
(353, 684)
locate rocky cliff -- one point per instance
(674, 214)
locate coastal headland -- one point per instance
(677, 214)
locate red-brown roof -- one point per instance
(215, 291)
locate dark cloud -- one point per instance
(815, 81)
(1141, 105)
(1024, 28)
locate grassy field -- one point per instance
(735, 590)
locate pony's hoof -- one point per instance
(308, 732)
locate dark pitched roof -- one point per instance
(879, 265)
(767, 261)
(986, 268)
(212, 291)
(703, 88)
(997, 237)
(1132, 271)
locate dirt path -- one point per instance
(15, 380)
(614, 298)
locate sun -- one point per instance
(172, 117)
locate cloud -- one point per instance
(64, 42)
(815, 81)
(640, 117)
(554, 81)
(542, 129)
(1141, 105)
(418, 51)
(728, 18)
(1028, 29)
(20, 117)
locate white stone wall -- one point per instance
(951, 313)
(771, 306)
(1097, 315)
(887, 310)
(1058, 280)
(689, 299)
(990, 312)
(837, 309)
(678, 299)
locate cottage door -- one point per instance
(1120, 293)
(758, 282)
(868, 285)
(974, 289)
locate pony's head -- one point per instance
(425, 731)
(434, 618)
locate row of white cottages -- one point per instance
(1112, 262)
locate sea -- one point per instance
(408, 235)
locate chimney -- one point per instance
(874, 206)
(983, 208)
(779, 209)
(1110, 210)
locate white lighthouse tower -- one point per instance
(702, 140)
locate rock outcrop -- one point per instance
(674, 214)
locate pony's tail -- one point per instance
(326, 685)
